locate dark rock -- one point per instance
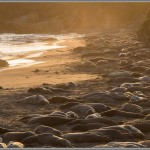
(3, 63)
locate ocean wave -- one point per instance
(12, 44)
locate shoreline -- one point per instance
(29, 58)
(26, 54)
(24, 76)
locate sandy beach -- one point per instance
(53, 69)
(92, 93)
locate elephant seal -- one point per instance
(122, 80)
(101, 62)
(120, 74)
(146, 111)
(120, 96)
(134, 131)
(47, 139)
(82, 109)
(143, 102)
(128, 107)
(86, 127)
(40, 90)
(85, 137)
(143, 126)
(95, 115)
(58, 114)
(68, 105)
(34, 100)
(3, 145)
(104, 97)
(119, 132)
(112, 133)
(46, 129)
(138, 88)
(72, 114)
(139, 68)
(145, 79)
(55, 90)
(4, 130)
(121, 145)
(130, 85)
(119, 89)
(145, 142)
(93, 120)
(51, 120)
(61, 99)
(70, 85)
(147, 117)
(66, 86)
(27, 118)
(15, 145)
(99, 107)
(16, 136)
(69, 114)
(115, 112)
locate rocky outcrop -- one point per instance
(143, 34)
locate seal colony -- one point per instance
(111, 110)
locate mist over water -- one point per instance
(63, 17)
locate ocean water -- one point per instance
(20, 49)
